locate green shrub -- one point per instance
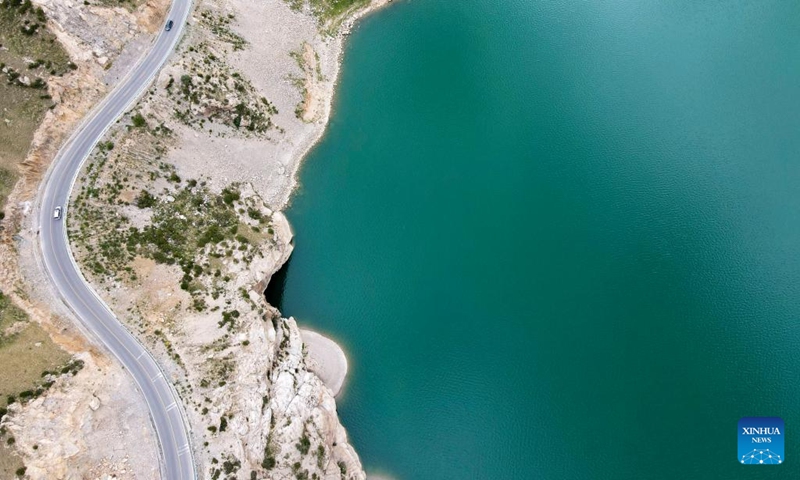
(230, 195)
(269, 463)
(138, 120)
(304, 445)
(231, 466)
(223, 424)
(145, 200)
(255, 214)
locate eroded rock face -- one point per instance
(286, 421)
(300, 394)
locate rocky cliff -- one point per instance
(281, 418)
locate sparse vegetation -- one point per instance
(269, 461)
(299, 472)
(138, 120)
(29, 358)
(129, 5)
(228, 319)
(145, 200)
(328, 11)
(188, 225)
(138, 221)
(304, 444)
(30, 364)
(7, 180)
(230, 467)
(320, 456)
(22, 28)
(220, 25)
(9, 315)
(212, 93)
(223, 424)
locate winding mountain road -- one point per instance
(162, 401)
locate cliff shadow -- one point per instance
(274, 290)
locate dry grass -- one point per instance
(22, 111)
(29, 57)
(329, 11)
(23, 33)
(9, 462)
(26, 351)
(7, 179)
(10, 315)
(24, 357)
(29, 50)
(129, 5)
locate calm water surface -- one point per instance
(559, 239)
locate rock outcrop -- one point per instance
(280, 416)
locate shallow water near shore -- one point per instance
(560, 239)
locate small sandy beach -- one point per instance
(326, 359)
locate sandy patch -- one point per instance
(326, 359)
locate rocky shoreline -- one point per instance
(258, 391)
(327, 94)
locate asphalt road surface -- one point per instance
(165, 410)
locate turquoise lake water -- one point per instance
(560, 240)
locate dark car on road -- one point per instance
(169, 25)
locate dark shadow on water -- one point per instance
(274, 292)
